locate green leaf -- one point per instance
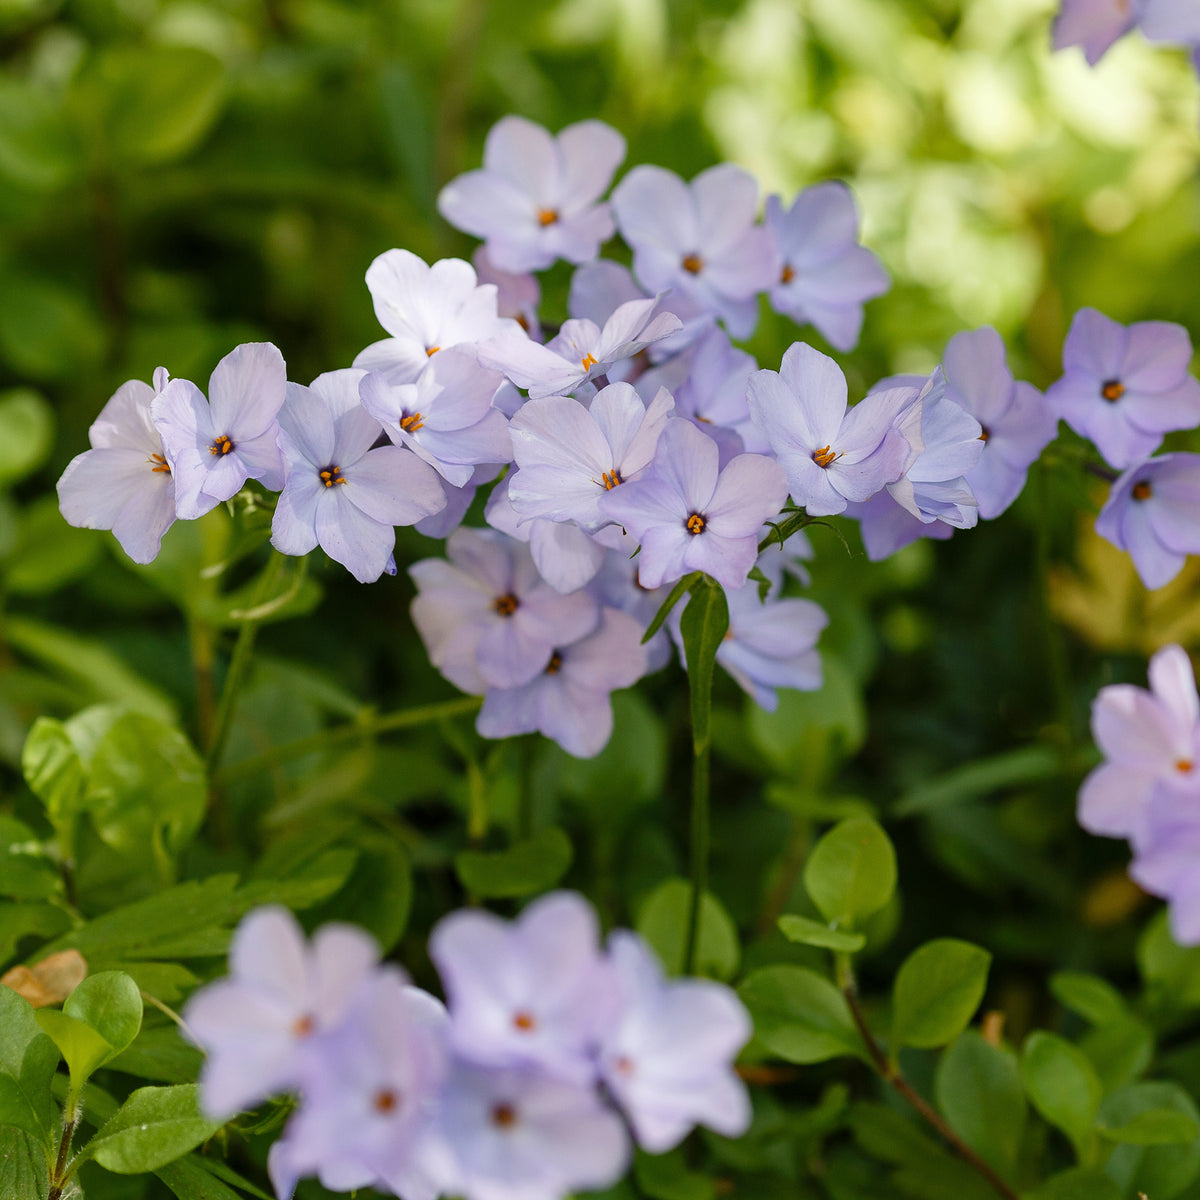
(110, 1003)
(1160, 1170)
(1079, 1183)
(812, 933)
(36, 151)
(676, 594)
(979, 1091)
(666, 1177)
(27, 1062)
(662, 921)
(160, 1055)
(1062, 1085)
(980, 778)
(54, 772)
(158, 101)
(152, 1128)
(1171, 971)
(23, 1165)
(26, 870)
(1090, 997)
(376, 888)
(146, 790)
(799, 1015)
(703, 626)
(1157, 1127)
(851, 872)
(188, 1180)
(82, 1047)
(937, 990)
(1120, 1051)
(524, 868)
(48, 332)
(49, 553)
(26, 428)
(18, 921)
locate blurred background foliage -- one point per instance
(179, 176)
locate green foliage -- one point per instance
(1063, 1087)
(937, 990)
(799, 1016)
(27, 1061)
(152, 1128)
(100, 1018)
(851, 872)
(662, 921)
(534, 865)
(1159, 1128)
(808, 932)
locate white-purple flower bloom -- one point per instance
(1165, 862)
(123, 483)
(1094, 24)
(1148, 738)
(1153, 513)
(580, 352)
(887, 526)
(340, 493)
(260, 1026)
(534, 992)
(446, 417)
(700, 238)
(570, 457)
(568, 700)
(1125, 386)
(536, 199)
(370, 1097)
(690, 515)
(487, 618)
(1015, 419)
(213, 446)
(825, 276)
(831, 456)
(427, 309)
(512, 1134)
(668, 1062)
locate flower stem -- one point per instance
(61, 1173)
(699, 852)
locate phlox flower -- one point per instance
(568, 699)
(261, 1027)
(487, 618)
(1016, 422)
(570, 457)
(700, 238)
(886, 526)
(340, 493)
(1153, 513)
(1125, 386)
(668, 1061)
(825, 276)
(581, 351)
(691, 515)
(124, 482)
(426, 309)
(1165, 861)
(213, 446)
(536, 199)
(446, 417)
(831, 456)
(615, 585)
(1148, 738)
(370, 1097)
(533, 992)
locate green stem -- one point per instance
(239, 663)
(700, 841)
(61, 1173)
(1056, 652)
(405, 718)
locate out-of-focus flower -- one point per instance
(536, 198)
(1166, 858)
(517, 294)
(1094, 24)
(825, 276)
(124, 482)
(1125, 386)
(213, 446)
(340, 493)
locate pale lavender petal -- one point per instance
(749, 491)
(294, 524)
(246, 391)
(654, 209)
(349, 536)
(726, 201)
(1157, 356)
(591, 153)
(393, 487)
(566, 557)
(307, 423)
(260, 458)
(145, 517)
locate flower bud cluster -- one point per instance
(549, 1056)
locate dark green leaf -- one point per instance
(1155, 1127)
(703, 626)
(27, 1062)
(1062, 1085)
(937, 990)
(666, 1177)
(188, 1180)
(1162, 1171)
(662, 921)
(1092, 998)
(523, 869)
(23, 1173)
(1079, 1183)
(676, 594)
(799, 1015)
(851, 872)
(36, 151)
(152, 1128)
(49, 553)
(980, 778)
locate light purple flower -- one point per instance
(570, 457)
(1094, 24)
(370, 1097)
(1173, 21)
(1148, 738)
(214, 446)
(581, 352)
(700, 238)
(259, 1027)
(123, 483)
(1165, 864)
(340, 493)
(690, 515)
(1125, 386)
(1153, 513)
(536, 198)
(487, 618)
(534, 992)
(458, 501)
(446, 417)
(510, 1134)
(1016, 422)
(517, 294)
(615, 585)
(825, 276)
(831, 456)
(887, 527)
(668, 1062)
(426, 309)
(568, 701)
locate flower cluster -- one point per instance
(549, 1054)
(1148, 787)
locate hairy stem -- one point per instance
(61, 1173)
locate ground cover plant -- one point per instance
(648, 582)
